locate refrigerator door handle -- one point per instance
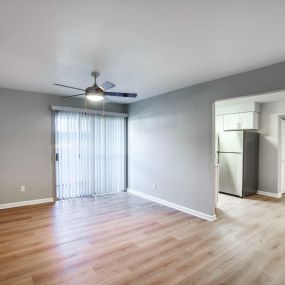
(230, 152)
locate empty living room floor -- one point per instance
(123, 239)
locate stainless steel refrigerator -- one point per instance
(238, 162)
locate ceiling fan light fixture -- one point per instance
(94, 95)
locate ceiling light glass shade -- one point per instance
(94, 96)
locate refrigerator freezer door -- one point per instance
(231, 141)
(230, 173)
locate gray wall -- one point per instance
(170, 137)
(25, 143)
(268, 150)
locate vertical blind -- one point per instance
(90, 154)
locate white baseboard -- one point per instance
(174, 206)
(26, 203)
(270, 194)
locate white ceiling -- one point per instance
(147, 46)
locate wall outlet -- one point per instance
(153, 186)
(23, 188)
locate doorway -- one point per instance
(260, 114)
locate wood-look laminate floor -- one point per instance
(122, 239)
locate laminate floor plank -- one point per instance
(122, 239)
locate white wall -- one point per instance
(25, 143)
(268, 148)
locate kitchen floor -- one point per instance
(123, 239)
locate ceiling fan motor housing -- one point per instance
(94, 93)
(94, 90)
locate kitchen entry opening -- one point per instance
(90, 154)
(237, 146)
(249, 146)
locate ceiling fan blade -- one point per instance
(120, 94)
(73, 96)
(66, 86)
(107, 85)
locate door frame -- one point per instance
(214, 168)
(53, 155)
(281, 166)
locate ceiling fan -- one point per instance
(97, 92)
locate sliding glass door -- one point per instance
(90, 154)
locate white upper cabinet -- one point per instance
(241, 121)
(249, 121)
(232, 122)
(219, 124)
